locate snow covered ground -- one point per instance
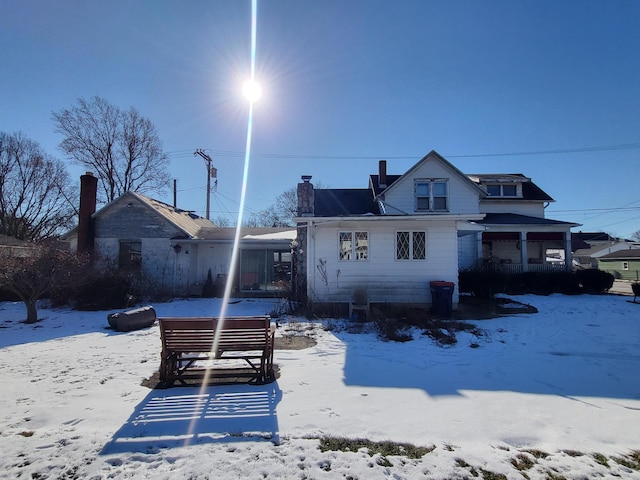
(549, 395)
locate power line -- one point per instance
(235, 153)
(586, 210)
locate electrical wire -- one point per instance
(238, 154)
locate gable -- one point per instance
(463, 195)
(129, 217)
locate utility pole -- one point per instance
(212, 172)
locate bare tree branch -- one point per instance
(121, 147)
(33, 190)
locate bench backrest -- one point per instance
(197, 334)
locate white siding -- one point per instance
(463, 197)
(385, 278)
(520, 208)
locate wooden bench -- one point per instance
(187, 340)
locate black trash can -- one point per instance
(442, 298)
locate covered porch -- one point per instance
(516, 244)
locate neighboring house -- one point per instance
(177, 249)
(622, 264)
(594, 246)
(404, 231)
(14, 247)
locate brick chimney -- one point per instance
(88, 194)
(382, 174)
(305, 197)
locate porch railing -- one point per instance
(532, 267)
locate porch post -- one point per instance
(479, 257)
(568, 258)
(524, 254)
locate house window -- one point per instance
(625, 265)
(431, 195)
(354, 245)
(497, 190)
(130, 256)
(509, 190)
(411, 245)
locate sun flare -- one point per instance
(252, 90)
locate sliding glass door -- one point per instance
(265, 270)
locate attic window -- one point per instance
(502, 190)
(431, 195)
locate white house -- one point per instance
(404, 231)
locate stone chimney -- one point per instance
(88, 194)
(382, 174)
(305, 197)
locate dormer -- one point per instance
(501, 185)
(511, 193)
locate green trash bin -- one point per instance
(442, 298)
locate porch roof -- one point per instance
(516, 219)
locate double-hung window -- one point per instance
(411, 245)
(354, 245)
(432, 195)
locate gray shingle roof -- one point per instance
(344, 202)
(530, 191)
(630, 254)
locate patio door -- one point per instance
(265, 270)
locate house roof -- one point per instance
(374, 182)
(248, 234)
(184, 220)
(530, 191)
(629, 254)
(515, 219)
(344, 202)
(593, 237)
(7, 241)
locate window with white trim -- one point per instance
(625, 265)
(411, 245)
(353, 245)
(432, 195)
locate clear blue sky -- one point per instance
(347, 83)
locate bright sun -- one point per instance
(252, 90)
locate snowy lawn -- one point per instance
(550, 395)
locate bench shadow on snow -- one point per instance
(184, 416)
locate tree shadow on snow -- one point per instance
(179, 417)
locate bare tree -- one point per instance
(122, 147)
(33, 275)
(280, 214)
(636, 236)
(34, 191)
